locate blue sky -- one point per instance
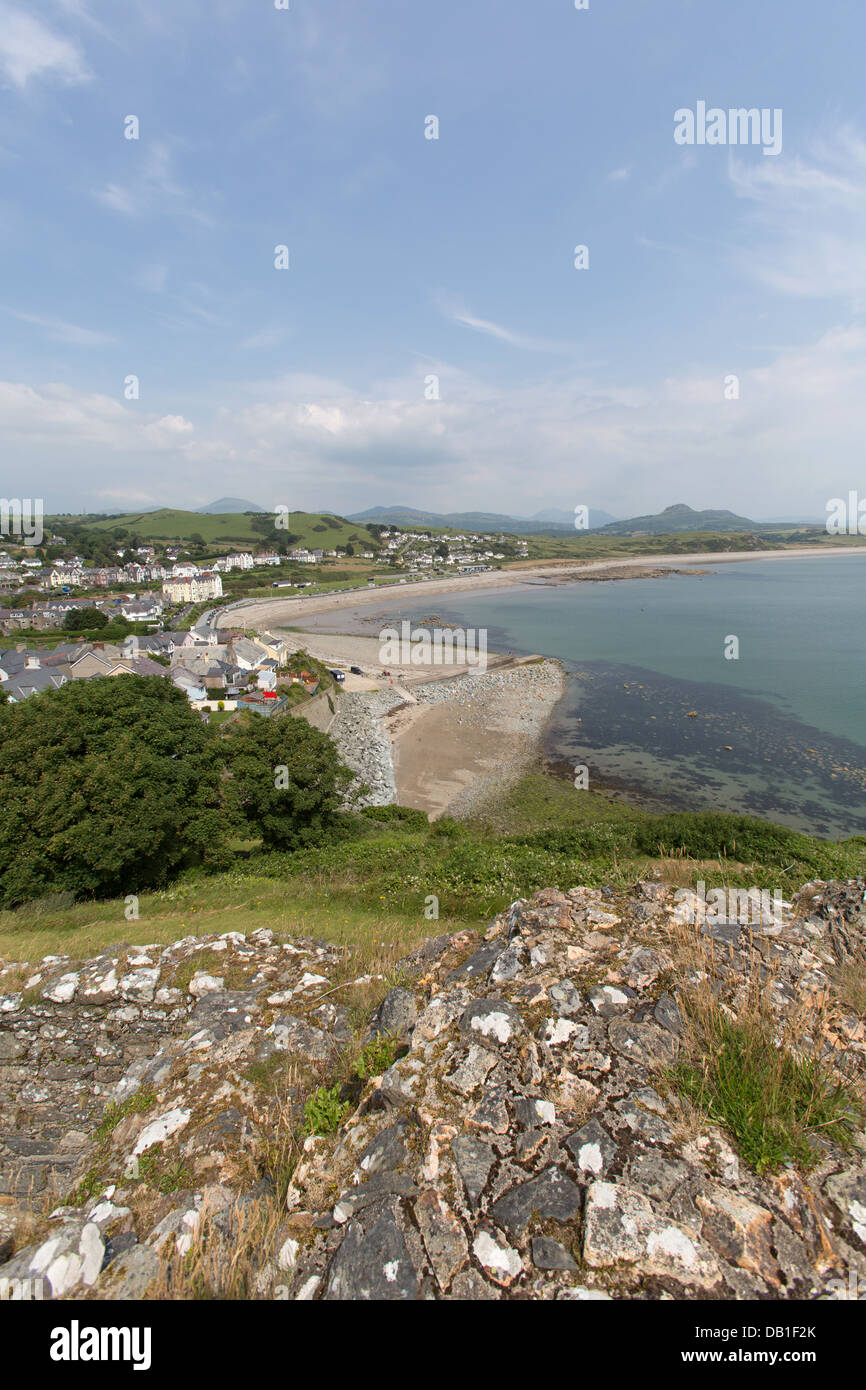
(412, 258)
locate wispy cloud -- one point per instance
(619, 175)
(30, 49)
(457, 312)
(153, 188)
(265, 338)
(807, 232)
(61, 332)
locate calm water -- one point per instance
(780, 732)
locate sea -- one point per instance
(664, 709)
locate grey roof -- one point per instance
(143, 666)
(32, 683)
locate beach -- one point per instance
(265, 613)
(446, 737)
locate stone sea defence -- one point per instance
(523, 1141)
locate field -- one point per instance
(319, 529)
(592, 546)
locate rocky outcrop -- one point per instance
(525, 1142)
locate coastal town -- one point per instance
(145, 579)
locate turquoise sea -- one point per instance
(656, 711)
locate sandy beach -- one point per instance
(277, 612)
(466, 741)
(446, 738)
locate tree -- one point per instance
(107, 787)
(84, 620)
(287, 780)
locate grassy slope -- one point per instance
(371, 886)
(599, 546)
(168, 525)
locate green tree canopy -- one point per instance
(287, 780)
(107, 787)
(84, 620)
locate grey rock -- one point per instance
(481, 962)
(129, 1277)
(645, 1043)
(474, 1159)
(667, 1013)
(387, 1151)
(492, 1022)
(509, 963)
(552, 1196)
(224, 1013)
(592, 1149)
(374, 1264)
(657, 1174)
(396, 1015)
(565, 999)
(549, 1254)
(373, 1190)
(291, 1034)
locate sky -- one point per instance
(432, 342)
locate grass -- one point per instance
(367, 886)
(775, 1106)
(135, 1104)
(226, 902)
(220, 1268)
(315, 529)
(851, 987)
(164, 1177)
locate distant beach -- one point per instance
(482, 733)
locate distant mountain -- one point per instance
(679, 517)
(544, 524)
(235, 505)
(563, 518)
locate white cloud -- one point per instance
(168, 431)
(807, 230)
(30, 49)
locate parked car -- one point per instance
(356, 670)
(339, 676)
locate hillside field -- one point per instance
(313, 528)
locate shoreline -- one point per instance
(281, 611)
(444, 739)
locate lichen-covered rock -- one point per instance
(525, 1143)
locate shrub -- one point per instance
(324, 1110)
(107, 787)
(711, 835)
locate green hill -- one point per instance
(679, 517)
(313, 529)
